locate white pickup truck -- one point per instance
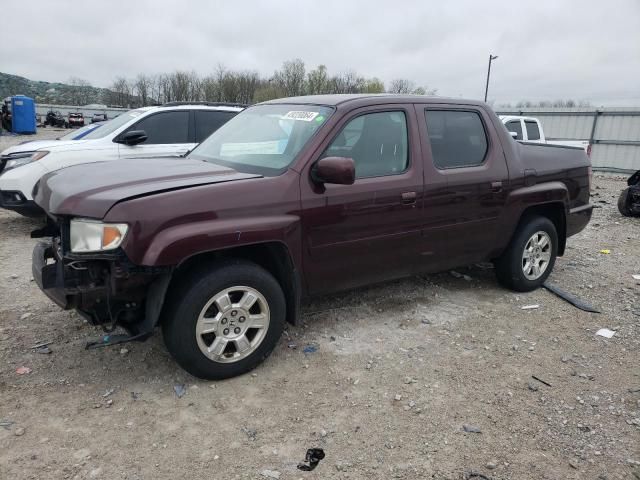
(529, 129)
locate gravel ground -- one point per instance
(394, 374)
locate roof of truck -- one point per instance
(370, 99)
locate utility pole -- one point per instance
(486, 88)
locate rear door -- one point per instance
(169, 133)
(533, 131)
(208, 121)
(369, 231)
(461, 149)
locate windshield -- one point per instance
(81, 132)
(264, 139)
(113, 125)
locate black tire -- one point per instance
(509, 267)
(187, 300)
(623, 203)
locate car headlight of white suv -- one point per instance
(89, 235)
(14, 160)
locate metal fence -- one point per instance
(613, 133)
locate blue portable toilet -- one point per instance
(23, 114)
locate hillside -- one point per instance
(45, 92)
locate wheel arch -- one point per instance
(273, 256)
(554, 211)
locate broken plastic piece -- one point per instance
(572, 299)
(605, 251)
(313, 457)
(530, 307)
(606, 333)
(180, 390)
(310, 349)
(471, 429)
(23, 370)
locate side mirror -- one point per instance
(514, 135)
(338, 170)
(133, 137)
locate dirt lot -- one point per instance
(397, 371)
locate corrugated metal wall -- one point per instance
(615, 140)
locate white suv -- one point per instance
(169, 130)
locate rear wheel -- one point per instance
(530, 257)
(225, 320)
(623, 203)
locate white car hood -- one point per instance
(38, 144)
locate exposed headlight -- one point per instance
(94, 236)
(22, 158)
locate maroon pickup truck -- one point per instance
(300, 197)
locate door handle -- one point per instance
(496, 186)
(409, 198)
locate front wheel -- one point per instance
(225, 320)
(530, 257)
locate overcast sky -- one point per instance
(548, 49)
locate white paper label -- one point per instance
(304, 116)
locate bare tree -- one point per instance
(318, 81)
(401, 85)
(290, 79)
(80, 91)
(142, 88)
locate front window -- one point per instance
(113, 125)
(264, 139)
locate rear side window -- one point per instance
(457, 138)
(533, 132)
(165, 127)
(515, 126)
(377, 142)
(208, 122)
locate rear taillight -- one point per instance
(590, 172)
(589, 151)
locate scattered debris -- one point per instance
(310, 349)
(398, 397)
(572, 299)
(606, 333)
(541, 381)
(471, 429)
(6, 423)
(634, 390)
(251, 433)
(530, 307)
(292, 346)
(533, 387)
(180, 390)
(492, 465)
(108, 392)
(23, 370)
(636, 276)
(270, 474)
(124, 351)
(24, 316)
(43, 350)
(41, 344)
(135, 395)
(460, 275)
(605, 251)
(472, 474)
(313, 457)
(18, 432)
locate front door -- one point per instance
(369, 231)
(168, 134)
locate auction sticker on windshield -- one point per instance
(304, 116)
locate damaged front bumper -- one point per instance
(106, 289)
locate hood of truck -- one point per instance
(90, 190)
